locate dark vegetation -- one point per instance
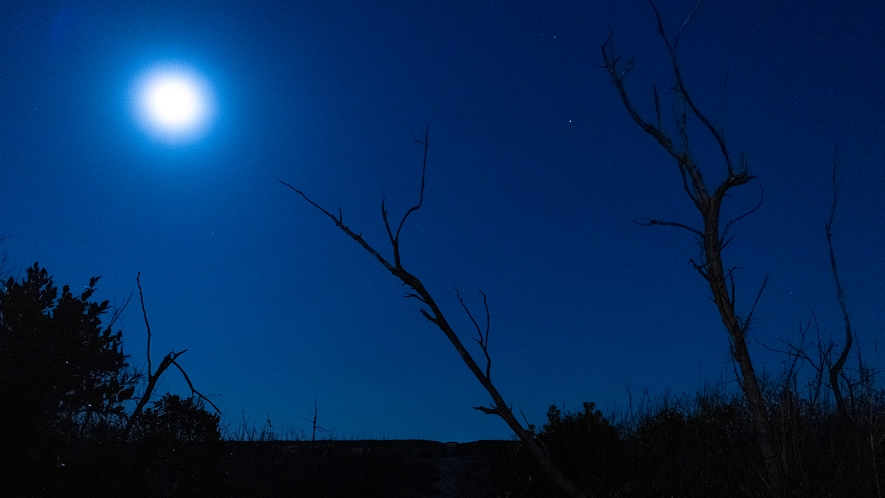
(65, 384)
(76, 419)
(68, 426)
(65, 429)
(706, 445)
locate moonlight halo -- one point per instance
(173, 103)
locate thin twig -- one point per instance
(755, 302)
(748, 213)
(146, 323)
(191, 385)
(343, 227)
(483, 341)
(652, 222)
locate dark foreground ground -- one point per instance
(394, 468)
(220, 469)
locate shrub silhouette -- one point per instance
(177, 450)
(174, 420)
(584, 444)
(63, 378)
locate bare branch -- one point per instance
(685, 23)
(725, 242)
(412, 295)
(701, 268)
(681, 119)
(680, 87)
(357, 237)
(118, 310)
(488, 410)
(748, 213)
(684, 174)
(840, 294)
(416, 207)
(652, 222)
(730, 278)
(611, 65)
(483, 341)
(394, 238)
(191, 385)
(654, 89)
(146, 323)
(755, 302)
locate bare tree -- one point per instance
(434, 314)
(712, 238)
(313, 420)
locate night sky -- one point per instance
(534, 175)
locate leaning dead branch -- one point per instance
(432, 312)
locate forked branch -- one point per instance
(722, 238)
(683, 92)
(190, 384)
(482, 340)
(394, 239)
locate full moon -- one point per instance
(173, 103)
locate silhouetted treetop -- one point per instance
(56, 360)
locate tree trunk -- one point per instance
(750, 385)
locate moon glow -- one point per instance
(173, 103)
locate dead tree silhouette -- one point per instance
(712, 239)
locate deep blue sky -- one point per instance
(535, 171)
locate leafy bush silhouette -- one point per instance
(177, 450)
(64, 381)
(63, 377)
(584, 444)
(174, 420)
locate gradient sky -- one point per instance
(534, 174)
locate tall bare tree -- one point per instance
(713, 237)
(434, 314)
